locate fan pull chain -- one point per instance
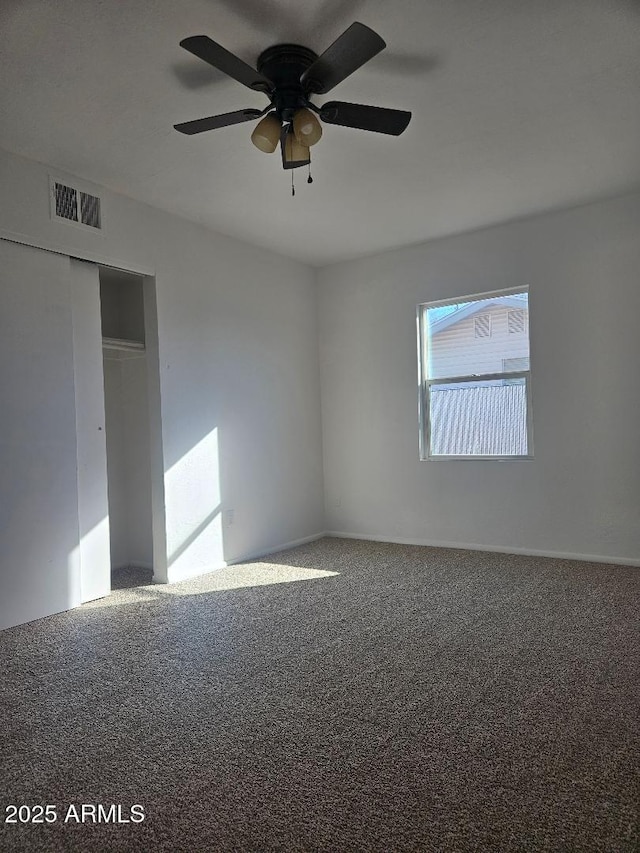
(293, 189)
(309, 179)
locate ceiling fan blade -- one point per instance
(223, 120)
(377, 119)
(210, 51)
(357, 45)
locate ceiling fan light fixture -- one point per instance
(266, 134)
(306, 127)
(289, 75)
(294, 151)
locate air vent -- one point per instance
(66, 202)
(483, 326)
(516, 321)
(90, 210)
(71, 204)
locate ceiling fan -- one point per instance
(289, 75)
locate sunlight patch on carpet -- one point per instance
(218, 580)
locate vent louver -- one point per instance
(90, 210)
(516, 321)
(70, 204)
(482, 326)
(66, 202)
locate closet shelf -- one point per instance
(122, 345)
(118, 349)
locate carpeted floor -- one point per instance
(342, 696)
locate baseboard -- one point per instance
(496, 549)
(140, 565)
(284, 547)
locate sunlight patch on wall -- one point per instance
(73, 578)
(193, 517)
(89, 569)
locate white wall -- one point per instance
(118, 505)
(237, 348)
(128, 461)
(137, 454)
(581, 492)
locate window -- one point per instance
(511, 364)
(475, 377)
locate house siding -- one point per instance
(456, 351)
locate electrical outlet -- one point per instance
(229, 516)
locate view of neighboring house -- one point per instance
(476, 338)
(482, 336)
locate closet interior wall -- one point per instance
(127, 419)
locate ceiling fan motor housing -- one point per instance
(284, 65)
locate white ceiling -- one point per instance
(518, 107)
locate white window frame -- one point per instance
(425, 383)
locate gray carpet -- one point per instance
(342, 696)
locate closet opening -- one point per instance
(127, 423)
